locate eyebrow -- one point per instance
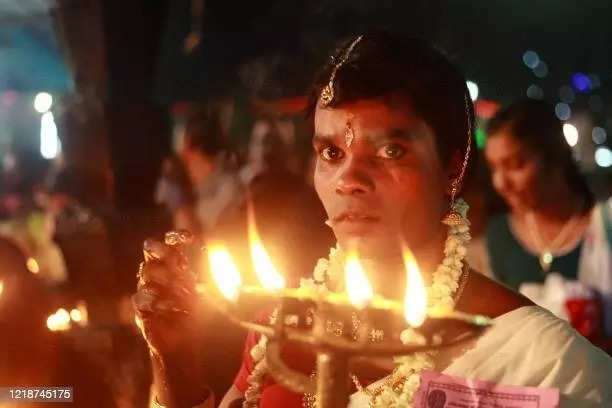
(319, 138)
(511, 155)
(405, 134)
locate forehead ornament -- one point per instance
(349, 132)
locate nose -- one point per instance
(354, 179)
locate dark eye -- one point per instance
(391, 151)
(331, 153)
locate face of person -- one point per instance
(516, 172)
(387, 182)
(269, 144)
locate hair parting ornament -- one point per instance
(327, 94)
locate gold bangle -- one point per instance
(204, 404)
(155, 403)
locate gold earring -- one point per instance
(453, 217)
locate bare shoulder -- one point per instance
(486, 296)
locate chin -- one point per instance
(517, 205)
(370, 246)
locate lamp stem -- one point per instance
(332, 379)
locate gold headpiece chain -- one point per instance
(457, 181)
(453, 217)
(327, 94)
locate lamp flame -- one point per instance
(79, 314)
(75, 315)
(59, 321)
(1, 287)
(415, 302)
(32, 266)
(224, 272)
(264, 268)
(357, 285)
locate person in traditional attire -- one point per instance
(393, 124)
(554, 226)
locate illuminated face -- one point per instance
(379, 176)
(515, 171)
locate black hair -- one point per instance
(203, 131)
(534, 123)
(384, 64)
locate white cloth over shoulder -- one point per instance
(595, 265)
(530, 346)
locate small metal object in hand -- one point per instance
(181, 237)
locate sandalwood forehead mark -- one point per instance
(349, 132)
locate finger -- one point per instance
(146, 303)
(154, 272)
(143, 301)
(176, 263)
(155, 250)
(155, 276)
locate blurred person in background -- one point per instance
(265, 140)
(272, 144)
(211, 167)
(22, 220)
(77, 220)
(553, 227)
(174, 192)
(285, 207)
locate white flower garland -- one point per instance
(444, 283)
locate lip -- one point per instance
(354, 223)
(355, 217)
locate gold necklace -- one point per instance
(546, 257)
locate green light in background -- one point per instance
(481, 138)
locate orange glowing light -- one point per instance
(358, 287)
(264, 268)
(79, 314)
(75, 315)
(224, 271)
(415, 302)
(32, 266)
(59, 321)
